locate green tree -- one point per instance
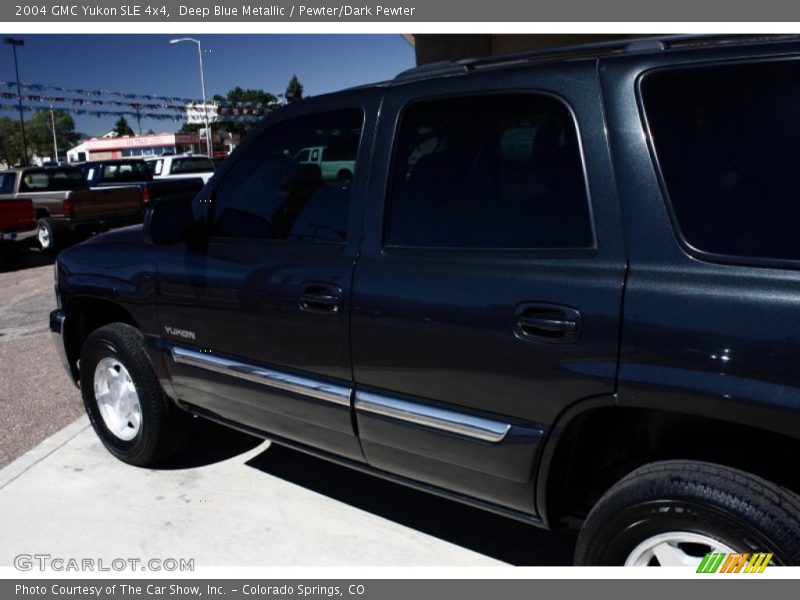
(39, 129)
(121, 127)
(294, 91)
(10, 141)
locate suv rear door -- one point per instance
(487, 293)
(257, 323)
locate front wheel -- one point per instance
(674, 513)
(126, 405)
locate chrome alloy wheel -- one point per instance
(44, 237)
(117, 399)
(674, 549)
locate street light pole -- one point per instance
(209, 147)
(55, 141)
(14, 43)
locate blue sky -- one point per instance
(148, 64)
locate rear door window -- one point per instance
(727, 142)
(493, 171)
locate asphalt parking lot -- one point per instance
(36, 396)
(229, 499)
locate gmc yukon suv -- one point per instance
(562, 286)
(66, 209)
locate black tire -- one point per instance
(164, 426)
(45, 231)
(743, 511)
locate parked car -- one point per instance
(334, 167)
(562, 286)
(181, 166)
(17, 225)
(66, 209)
(128, 172)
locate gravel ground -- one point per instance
(36, 396)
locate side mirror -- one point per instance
(169, 222)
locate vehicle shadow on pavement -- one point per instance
(477, 530)
(209, 443)
(27, 260)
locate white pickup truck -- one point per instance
(334, 167)
(181, 166)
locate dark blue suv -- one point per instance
(562, 286)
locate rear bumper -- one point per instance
(13, 237)
(81, 228)
(58, 321)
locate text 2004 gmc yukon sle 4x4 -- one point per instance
(560, 286)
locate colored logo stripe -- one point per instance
(735, 562)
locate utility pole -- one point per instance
(55, 141)
(14, 43)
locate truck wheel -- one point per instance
(127, 407)
(45, 235)
(673, 513)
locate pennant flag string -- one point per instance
(89, 96)
(243, 115)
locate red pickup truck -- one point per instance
(17, 226)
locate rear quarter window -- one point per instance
(726, 140)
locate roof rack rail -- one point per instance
(653, 43)
(435, 69)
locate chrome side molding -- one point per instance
(451, 421)
(478, 428)
(305, 386)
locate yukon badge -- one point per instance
(181, 333)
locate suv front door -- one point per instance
(257, 323)
(487, 294)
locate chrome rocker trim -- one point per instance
(304, 386)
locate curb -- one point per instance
(28, 460)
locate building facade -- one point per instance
(104, 148)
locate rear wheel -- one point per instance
(45, 235)
(126, 405)
(673, 513)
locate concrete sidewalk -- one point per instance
(232, 500)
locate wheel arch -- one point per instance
(596, 442)
(86, 314)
